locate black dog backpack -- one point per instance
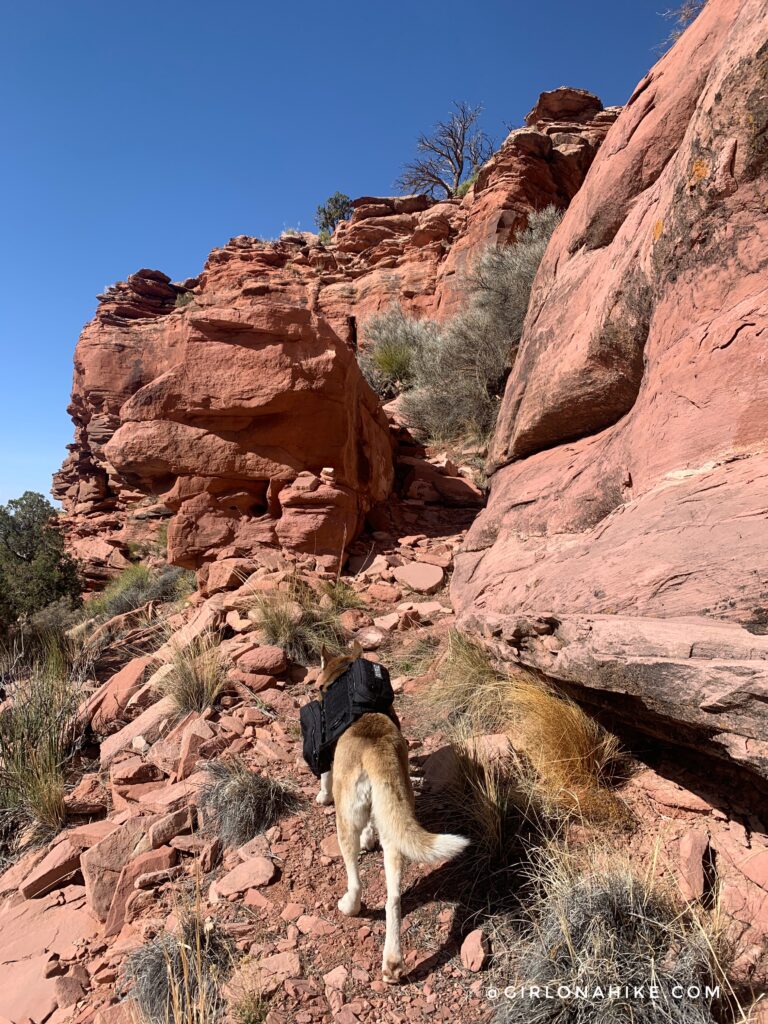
(362, 688)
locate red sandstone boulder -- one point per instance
(102, 864)
(153, 860)
(263, 389)
(623, 546)
(265, 660)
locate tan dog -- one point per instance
(370, 784)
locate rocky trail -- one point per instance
(137, 853)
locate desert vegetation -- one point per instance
(299, 621)
(38, 738)
(198, 673)
(178, 977)
(335, 209)
(239, 803)
(563, 758)
(35, 570)
(595, 930)
(388, 360)
(452, 376)
(138, 585)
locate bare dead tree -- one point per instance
(453, 151)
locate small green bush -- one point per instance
(336, 208)
(466, 185)
(239, 804)
(393, 343)
(35, 570)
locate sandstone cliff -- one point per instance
(623, 546)
(210, 399)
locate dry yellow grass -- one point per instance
(198, 674)
(178, 977)
(562, 757)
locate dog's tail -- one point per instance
(397, 825)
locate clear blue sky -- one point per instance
(145, 134)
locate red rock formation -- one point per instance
(132, 338)
(623, 547)
(209, 398)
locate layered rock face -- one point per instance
(623, 548)
(241, 411)
(132, 338)
(222, 400)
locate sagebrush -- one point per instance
(392, 343)
(460, 372)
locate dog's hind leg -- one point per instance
(352, 813)
(368, 839)
(392, 963)
(325, 796)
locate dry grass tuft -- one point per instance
(487, 801)
(594, 923)
(250, 1008)
(296, 620)
(38, 737)
(469, 689)
(178, 978)
(198, 674)
(136, 586)
(239, 804)
(338, 595)
(412, 658)
(563, 758)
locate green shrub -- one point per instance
(459, 374)
(336, 208)
(35, 570)
(393, 343)
(137, 585)
(466, 185)
(239, 804)
(56, 618)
